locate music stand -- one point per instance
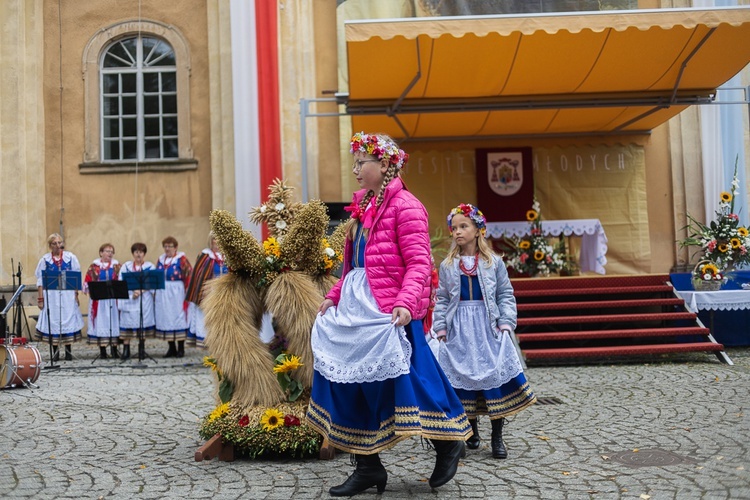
(108, 290)
(60, 281)
(150, 279)
(9, 304)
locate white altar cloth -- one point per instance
(593, 240)
(720, 300)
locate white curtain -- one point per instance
(733, 140)
(722, 137)
(713, 162)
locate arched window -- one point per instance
(139, 100)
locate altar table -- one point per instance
(725, 312)
(593, 240)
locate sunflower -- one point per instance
(742, 232)
(290, 363)
(538, 255)
(271, 419)
(709, 269)
(723, 247)
(209, 362)
(524, 245)
(726, 197)
(735, 242)
(271, 247)
(219, 412)
(532, 215)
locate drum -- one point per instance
(20, 365)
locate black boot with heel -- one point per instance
(55, 353)
(103, 352)
(68, 353)
(446, 462)
(180, 348)
(368, 473)
(498, 447)
(474, 441)
(113, 351)
(125, 352)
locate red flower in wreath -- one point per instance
(244, 421)
(291, 421)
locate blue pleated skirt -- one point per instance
(368, 417)
(504, 401)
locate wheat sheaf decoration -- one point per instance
(242, 252)
(277, 283)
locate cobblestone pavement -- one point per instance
(109, 430)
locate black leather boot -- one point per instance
(171, 352)
(498, 447)
(446, 462)
(180, 348)
(55, 353)
(474, 441)
(368, 473)
(113, 351)
(68, 353)
(125, 352)
(103, 352)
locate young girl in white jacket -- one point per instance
(474, 318)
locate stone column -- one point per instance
(22, 196)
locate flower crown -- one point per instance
(380, 147)
(470, 211)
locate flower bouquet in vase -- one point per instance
(723, 243)
(533, 255)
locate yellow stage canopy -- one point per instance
(539, 75)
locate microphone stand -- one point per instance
(19, 318)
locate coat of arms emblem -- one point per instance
(505, 172)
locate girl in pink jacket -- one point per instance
(376, 381)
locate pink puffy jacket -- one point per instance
(397, 256)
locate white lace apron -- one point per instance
(471, 357)
(354, 342)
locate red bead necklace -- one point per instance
(471, 271)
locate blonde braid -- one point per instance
(390, 174)
(365, 200)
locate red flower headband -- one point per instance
(380, 147)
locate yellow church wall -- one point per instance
(121, 207)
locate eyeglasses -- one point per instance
(357, 165)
